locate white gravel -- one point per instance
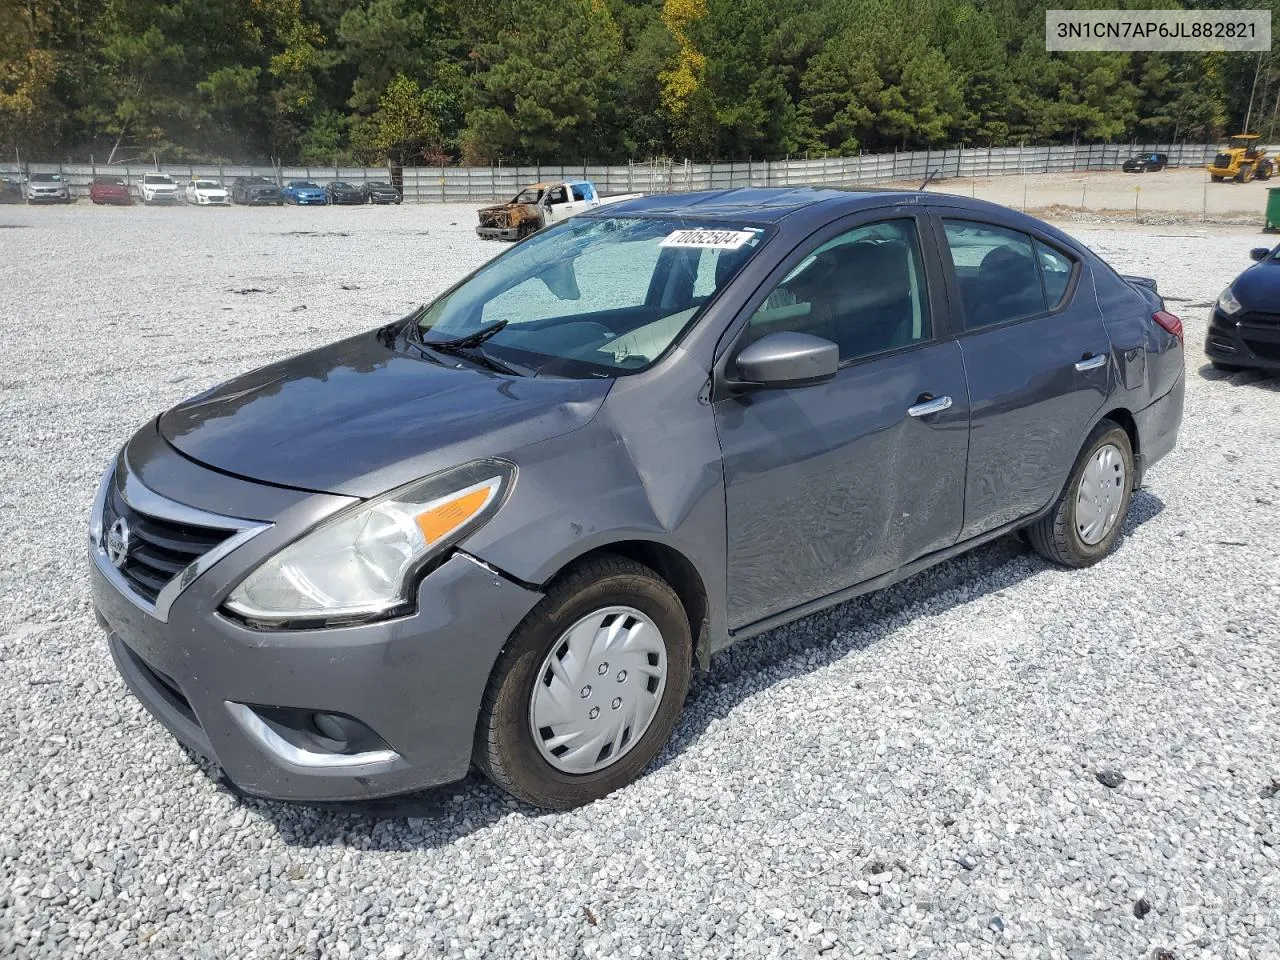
(918, 773)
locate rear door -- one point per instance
(832, 484)
(1037, 359)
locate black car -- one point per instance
(340, 192)
(255, 192)
(379, 191)
(1244, 329)
(1146, 163)
(10, 190)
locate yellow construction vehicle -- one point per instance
(1242, 161)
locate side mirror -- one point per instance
(788, 360)
(1259, 253)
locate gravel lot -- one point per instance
(918, 773)
(1184, 192)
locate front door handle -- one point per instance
(927, 404)
(1091, 361)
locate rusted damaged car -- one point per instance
(541, 205)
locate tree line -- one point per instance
(524, 81)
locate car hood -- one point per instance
(1258, 288)
(359, 417)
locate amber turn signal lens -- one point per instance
(447, 516)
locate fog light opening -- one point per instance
(330, 727)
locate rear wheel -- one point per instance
(1085, 522)
(588, 688)
(1264, 170)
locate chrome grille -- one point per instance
(158, 549)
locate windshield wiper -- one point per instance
(469, 347)
(470, 340)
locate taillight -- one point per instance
(1169, 322)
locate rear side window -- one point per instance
(1004, 274)
(579, 191)
(1056, 269)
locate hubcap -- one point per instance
(598, 689)
(1101, 494)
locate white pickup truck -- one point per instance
(541, 205)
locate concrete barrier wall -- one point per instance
(472, 184)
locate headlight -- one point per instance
(1228, 303)
(363, 562)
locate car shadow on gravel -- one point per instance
(443, 815)
(1241, 378)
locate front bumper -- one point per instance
(1248, 339)
(162, 198)
(498, 233)
(261, 199)
(311, 201)
(383, 198)
(62, 196)
(416, 681)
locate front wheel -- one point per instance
(1083, 525)
(1244, 174)
(588, 688)
(1264, 171)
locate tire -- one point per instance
(505, 749)
(1264, 171)
(1058, 536)
(1245, 173)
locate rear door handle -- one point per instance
(1091, 362)
(928, 405)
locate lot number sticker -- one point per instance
(708, 239)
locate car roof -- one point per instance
(772, 204)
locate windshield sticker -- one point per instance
(708, 239)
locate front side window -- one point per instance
(863, 290)
(594, 296)
(996, 271)
(557, 195)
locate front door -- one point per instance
(1038, 357)
(833, 484)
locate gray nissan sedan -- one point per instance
(504, 530)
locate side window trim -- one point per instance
(958, 327)
(936, 293)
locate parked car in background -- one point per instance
(541, 205)
(256, 192)
(504, 529)
(1244, 325)
(112, 190)
(48, 188)
(11, 190)
(341, 192)
(1146, 163)
(304, 193)
(208, 193)
(379, 191)
(160, 188)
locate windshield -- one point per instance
(156, 178)
(207, 185)
(339, 185)
(306, 185)
(46, 178)
(379, 183)
(594, 296)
